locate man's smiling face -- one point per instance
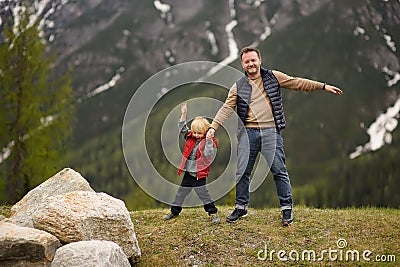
(251, 63)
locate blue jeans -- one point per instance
(269, 142)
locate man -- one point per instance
(258, 101)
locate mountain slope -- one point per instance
(114, 46)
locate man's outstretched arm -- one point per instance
(303, 84)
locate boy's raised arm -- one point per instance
(183, 112)
(183, 129)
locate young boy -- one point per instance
(197, 156)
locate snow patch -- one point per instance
(390, 73)
(104, 87)
(37, 15)
(6, 151)
(389, 42)
(233, 49)
(380, 131)
(358, 31)
(213, 42)
(232, 10)
(165, 11)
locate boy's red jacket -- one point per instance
(202, 162)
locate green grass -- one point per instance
(191, 239)
(5, 211)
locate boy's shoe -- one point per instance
(287, 217)
(236, 215)
(170, 216)
(215, 218)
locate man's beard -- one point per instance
(252, 71)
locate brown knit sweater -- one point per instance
(260, 110)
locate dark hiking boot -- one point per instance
(236, 215)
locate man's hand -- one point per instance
(333, 89)
(210, 133)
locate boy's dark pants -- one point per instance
(199, 185)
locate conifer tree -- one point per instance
(35, 110)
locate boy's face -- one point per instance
(197, 134)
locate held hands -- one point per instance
(210, 133)
(333, 89)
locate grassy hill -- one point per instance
(191, 239)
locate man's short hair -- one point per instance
(249, 49)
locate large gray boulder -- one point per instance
(83, 215)
(90, 253)
(65, 181)
(26, 246)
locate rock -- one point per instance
(2, 217)
(90, 253)
(27, 246)
(66, 180)
(83, 215)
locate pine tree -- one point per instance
(35, 109)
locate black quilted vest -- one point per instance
(271, 87)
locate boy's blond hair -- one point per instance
(200, 125)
